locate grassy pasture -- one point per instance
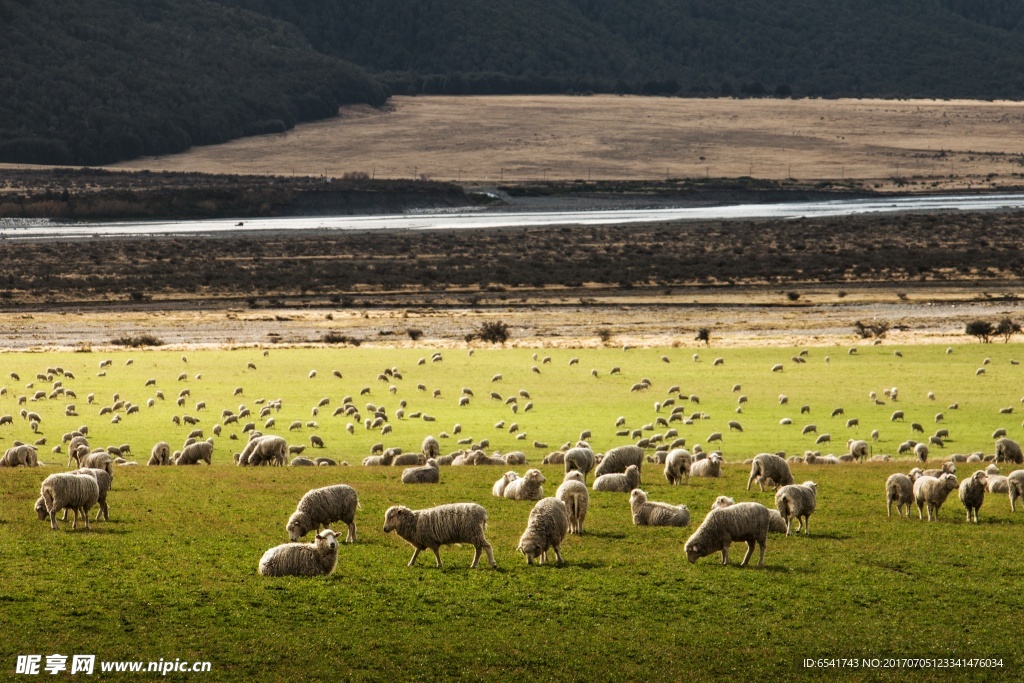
(173, 573)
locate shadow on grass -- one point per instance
(604, 534)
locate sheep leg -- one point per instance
(750, 552)
(806, 526)
(920, 510)
(725, 554)
(751, 480)
(351, 538)
(53, 519)
(558, 555)
(888, 507)
(789, 526)
(415, 554)
(760, 560)
(85, 516)
(64, 517)
(437, 556)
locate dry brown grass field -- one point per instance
(931, 144)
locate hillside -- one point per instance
(830, 48)
(94, 81)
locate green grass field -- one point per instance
(173, 574)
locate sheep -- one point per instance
(921, 451)
(65, 490)
(619, 482)
(302, 559)
(747, 522)
(619, 459)
(554, 458)
(194, 453)
(1008, 450)
(301, 462)
(441, 525)
(707, 467)
(860, 450)
(498, 490)
(528, 487)
(406, 459)
(797, 502)
(546, 528)
(677, 466)
(574, 493)
(514, 458)
(264, 450)
(96, 459)
(19, 456)
(809, 429)
(104, 481)
(427, 474)
(647, 513)
(161, 454)
(972, 493)
(823, 438)
(321, 507)
(899, 489)
(933, 492)
(770, 469)
(430, 448)
(1015, 487)
(580, 460)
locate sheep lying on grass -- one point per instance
(574, 493)
(321, 508)
(932, 492)
(650, 513)
(441, 525)
(619, 483)
(527, 487)
(710, 466)
(546, 528)
(65, 490)
(797, 502)
(427, 474)
(769, 469)
(972, 493)
(302, 559)
(899, 489)
(746, 522)
(498, 490)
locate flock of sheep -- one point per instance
(551, 519)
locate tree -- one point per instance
(1006, 329)
(493, 332)
(869, 330)
(704, 335)
(982, 329)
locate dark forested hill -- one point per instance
(95, 81)
(939, 48)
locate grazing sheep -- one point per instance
(649, 513)
(322, 507)
(104, 481)
(747, 522)
(315, 441)
(528, 487)
(498, 490)
(430, 448)
(899, 489)
(580, 460)
(264, 450)
(161, 454)
(1015, 487)
(427, 474)
(302, 559)
(972, 493)
(194, 453)
(677, 466)
(770, 469)
(921, 451)
(823, 438)
(65, 490)
(619, 482)
(997, 483)
(441, 525)
(619, 459)
(809, 429)
(797, 501)
(860, 450)
(1008, 450)
(933, 492)
(546, 528)
(710, 466)
(19, 456)
(574, 493)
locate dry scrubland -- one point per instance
(931, 144)
(173, 573)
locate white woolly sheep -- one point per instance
(1008, 450)
(264, 450)
(104, 481)
(770, 469)
(619, 459)
(1015, 487)
(933, 493)
(859, 449)
(302, 559)
(797, 501)
(747, 522)
(546, 528)
(619, 482)
(161, 454)
(322, 507)
(498, 490)
(441, 525)
(65, 490)
(301, 461)
(427, 474)
(972, 493)
(194, 453)
(19, 456)
(579, 459)
(677, 466)
(650, 513)
(406, 459)
(921, 451)
(899, 489)
(528, 487)
(710, 466)
(574, 493)
(430, 448)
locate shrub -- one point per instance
(869, 330)
(604, 334)
(338, 338)
(704, 335)
(792, 296)
(1006, 329)
(414, 334)
(982, 329)
(493, 332)
(137, 342)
